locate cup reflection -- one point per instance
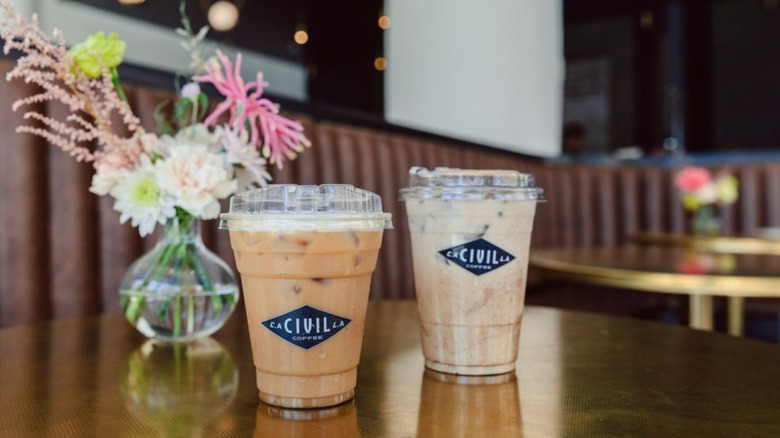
(338, 421)
(179, 388)
(455, 406)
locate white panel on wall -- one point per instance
(488, 71)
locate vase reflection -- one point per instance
(703, 263)
(455, 406)
(179, 388)
(338, 421)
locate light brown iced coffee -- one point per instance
(470, 234)
(306, 255)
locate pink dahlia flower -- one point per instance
(255, 116)
(692, 178)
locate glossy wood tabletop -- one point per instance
(666, 268)
(578, 375)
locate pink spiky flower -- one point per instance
(254, 115)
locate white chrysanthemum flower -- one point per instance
(106, 177)
(141, 200)
(198, 134)
(196, 178)
(707, 194)
(249, 166)
(195, 134)
(150, 143)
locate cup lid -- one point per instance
(305, 207)
(471, 184)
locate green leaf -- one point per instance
(239, 109)
(164, 126)
(182, 108)
(203, 105)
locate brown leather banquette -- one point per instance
(63, 251)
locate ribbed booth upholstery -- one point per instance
(63, 251)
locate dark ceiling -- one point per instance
(265, 26)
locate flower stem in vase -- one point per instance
(191, 315)
(181, 256)
(134, 308)
(136, 305)
(177, 316)
(197, 265)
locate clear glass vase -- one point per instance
(178, 291)
(705, 222)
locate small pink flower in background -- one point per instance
(692, 178)
(255, 116)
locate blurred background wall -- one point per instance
(487, 71)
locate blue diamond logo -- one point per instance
(306, 326)
(478, 256)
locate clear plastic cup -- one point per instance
(306, 255)
(470, 231)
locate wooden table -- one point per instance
(671, 269)
(578, 375)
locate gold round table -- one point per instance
(671, 269)
(732, 245)
(578, 374)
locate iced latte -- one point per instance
(470, 232)
(306, 255)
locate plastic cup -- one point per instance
(305, 255)
(470, 231)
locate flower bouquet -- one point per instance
(175, 177)
(701, 193)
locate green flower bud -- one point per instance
(97, 52)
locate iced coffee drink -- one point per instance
(470, 232)
(306, 255)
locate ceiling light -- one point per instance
(223, 16)
(380, 63)
(301, 37)
(131, 2)
(384, 22)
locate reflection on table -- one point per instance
(177, 389)
(467, 406)
(339, 421)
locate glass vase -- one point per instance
(705, 222)
(179, 291)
